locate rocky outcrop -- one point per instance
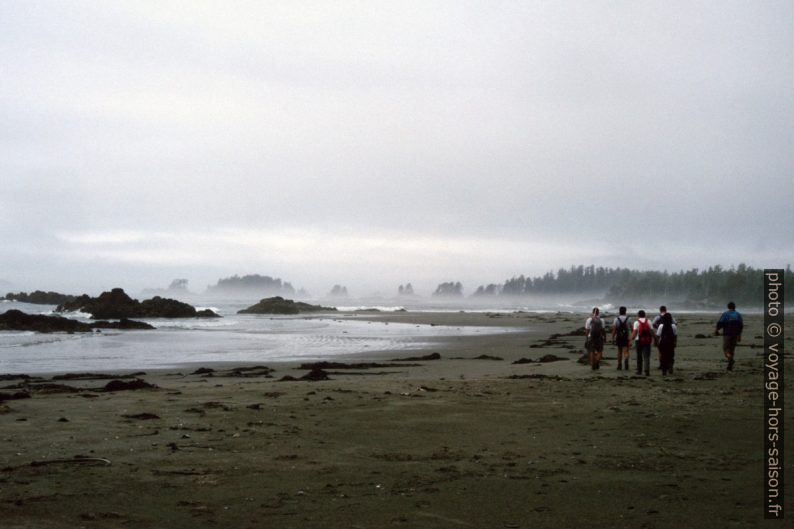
(124, 385)
(279, 305)
(16, 320)
(116, 304)
(108, 305)
(431, 356)
(158, 307)
(39, 297)
(123, 324)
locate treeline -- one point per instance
(713, 286)
(449, 289)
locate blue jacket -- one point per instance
(731, 323)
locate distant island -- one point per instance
(338, 291)
(279, 305)
(39, 297)
(251, 283)
(405, 290)
(177, 286)
(450, 289)
(117, 304)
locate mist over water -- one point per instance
(237, 338)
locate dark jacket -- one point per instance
(731, 323)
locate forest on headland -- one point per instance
(695, 288)
(713, 286)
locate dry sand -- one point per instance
(446, 443)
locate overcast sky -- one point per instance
(376, 143)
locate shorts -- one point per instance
(595, 345)
(729, 343)
(622, 342)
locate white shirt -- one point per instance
(618, 320)
(658, 321)
(659, 330)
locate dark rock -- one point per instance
(313, 376)
(341, 365)
(14, 396)
(550, 358)
(487, 357)
(538, 376)
(431, 356)
(316, 375)
(40, 297)
(116, 304)
(543, 359)
(203, 371)
(158, 307)
(108, 305)
(123, 324)
(122, 385)
(524, 361)
(16, 320)
(141, 416)
(254, 371)
(94, 376)
(279, 305)
(14, 377)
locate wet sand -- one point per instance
(452, 442)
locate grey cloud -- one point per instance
(634, 134)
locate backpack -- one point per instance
(668, 337)
(623, 329)
(645, 334)
(596, 328)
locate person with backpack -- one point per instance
(732, 325)
(621, 329)
(594, 326)
(655, 324)
(667, 333)
(642, 335)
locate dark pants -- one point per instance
(667, 357)
(644, 359)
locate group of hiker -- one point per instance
(662, 332)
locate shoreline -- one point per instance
(453, 442)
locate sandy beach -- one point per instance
(457, 441)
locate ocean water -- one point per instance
(235, 337)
